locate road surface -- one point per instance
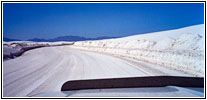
(46, 69)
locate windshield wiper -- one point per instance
(132, 82)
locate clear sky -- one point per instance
(49, 20)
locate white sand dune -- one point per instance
(180, 49)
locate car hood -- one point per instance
(167, 91)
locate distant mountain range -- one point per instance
(62, 38)
(8, 39)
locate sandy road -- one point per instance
(46, 69)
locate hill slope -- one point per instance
(180, 49)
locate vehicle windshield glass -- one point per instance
(48, 44)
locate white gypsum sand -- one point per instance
(46, 69)
(180, 49)
(17, 48)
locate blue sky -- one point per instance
(49, 20)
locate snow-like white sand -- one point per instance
(46, 69)
(177, 52)
(180, 49)
(16, 48)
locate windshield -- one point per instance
(49, 44)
